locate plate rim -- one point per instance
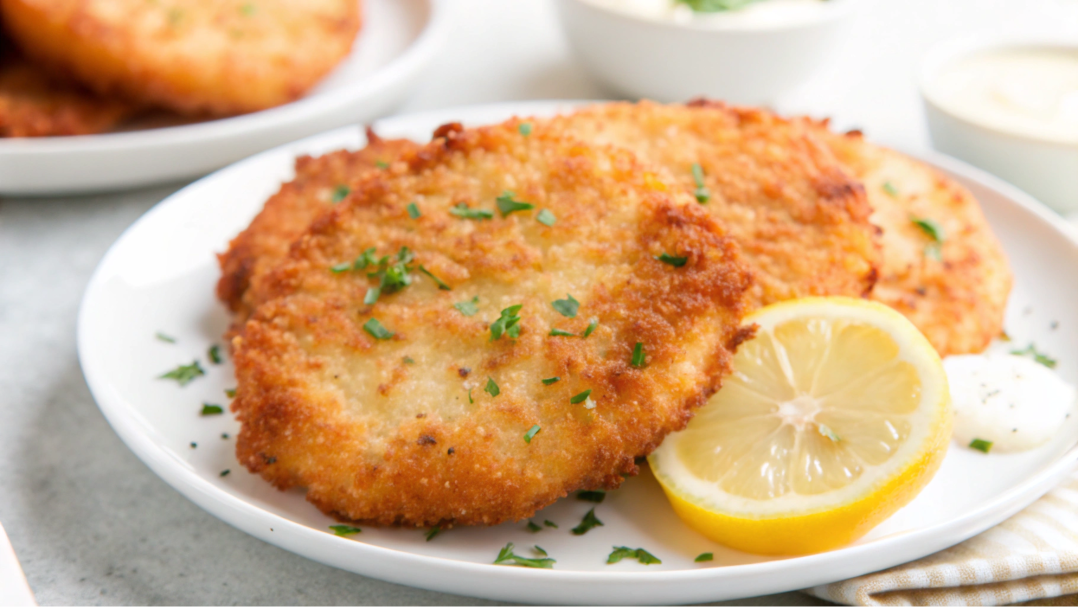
(459, 577)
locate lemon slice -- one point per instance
(836, 415)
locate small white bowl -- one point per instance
(669, 61)
(1046, 169)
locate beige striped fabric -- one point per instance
(1032, 556)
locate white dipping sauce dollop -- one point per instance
(1011, 401)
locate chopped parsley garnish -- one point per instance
(677, 262)
(376, 329)
(468, 307)
(984, 446)
(704, 557)
(934, 231)
(507, 204)
(492, 388)
(208, 409)
(624, 552)
(225, 472)
(715, 6)
(525, 128)
(591, 327)
(546, 218)
(589, 523)
(224, 436)
(372, 296)
(381, 164)
(340, 193)
(1043, 359)
(471, 401)
(432, 532)
(701, 193)
(165, 338)
(214, 354)
(408, 360)
(533, 527)
(413, 211)
(561, 333)
(230, 392)
(828, 432)
(539, 550)
(506, 556)
(184, 374)
(579, 398)
(530, 434)
(507, 323)
(462, 210)
(566, 307)
(638, 355)
(344, 530)
(595, 496)
(392, 276)
(337, 268)
(437, 281)
(890, 188)
(550, 523)
(551, 380)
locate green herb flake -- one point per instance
(340, 193)
(551, 380)
(890, 188)
(471, 401)
(824, 430)
(677, 262)
(1043, 359)
(507, 323)
(546, 218)
(539, 550)
(507, 204)
(214, 354)
(376, 330)
(701, 193)
(638, 355)
(595, 496)
(224, 436)
(550, 523)
(624, 552)
(591, 327)
(506, 557)
(225, 472)
(413, 211)
(344, 266)
(704, 557)
(492, 388)
(432, 532)
(381, 164)
(530, 434)
(437, 281)
(566, 307)
(461, 210)
(561, 333)
(165, 338)
(468, 307)
(345, 530)
(525, 128)
(208, 409)
(715, 6)
(392, 275)
(184, 374)
(531, 526)
(984, 446)
(408, 360)
(579, 398)
(230, 392)
(934, 231)
(247, 9)
(194, 445)
(590, 522)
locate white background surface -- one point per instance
(92, 525)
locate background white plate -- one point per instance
(159, 276)
(396, 43)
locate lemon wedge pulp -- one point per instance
(836, 415)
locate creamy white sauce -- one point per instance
(1031, 92)
(1013, 402)
(763, 14)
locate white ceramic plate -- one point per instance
(160, 275)
(398, 40)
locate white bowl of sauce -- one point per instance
(667, 51)
(1009, 107)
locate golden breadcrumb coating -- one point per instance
(957, 301)
(410, 429)
(198, 57)
(802, 222)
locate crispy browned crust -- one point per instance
(196, 57)
(33, 104)
(288, 213)
(801, 220)
(958, 303)
(401, 431)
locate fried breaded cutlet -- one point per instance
(196, 57)
(320, 182)
(954, 291)
(33, 104)
(481, 329)
(802, 222)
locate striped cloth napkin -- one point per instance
(1032, 556)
